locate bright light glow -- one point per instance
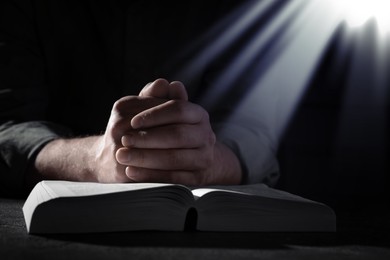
(357, 12)
(276, 79)
(277, 92)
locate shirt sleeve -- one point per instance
(19, 144)
(252, 144)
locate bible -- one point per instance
(83, 207)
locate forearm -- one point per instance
(67, 159)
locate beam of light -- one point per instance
(219, 40)
(259, 42)
(277, 91)
(358, 12)
(294, 40)
(362, 134)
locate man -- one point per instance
(65, 65)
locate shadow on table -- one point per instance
(228, 240)
(197, 239)
(370, 231)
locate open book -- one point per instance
(79, 207)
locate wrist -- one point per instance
(228, 167)
(67, 159)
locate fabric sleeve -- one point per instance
(19, 144)
(250, 141)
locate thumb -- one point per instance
(158, 89)
(177, 91)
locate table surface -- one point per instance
(359, 236)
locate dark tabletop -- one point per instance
(360, 235)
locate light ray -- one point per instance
(280, 76)
(276, 93)
(362, 134)
(237, 24)
(246, 55)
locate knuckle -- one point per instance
(205, 115)
(115, 124)
(140, 139)
(212, 139)
(119, 104)
(124, 104)
(115, 129)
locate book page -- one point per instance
(81, 207)
(70, 189)
(260, 189)
(258, 207)
(203, 191)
